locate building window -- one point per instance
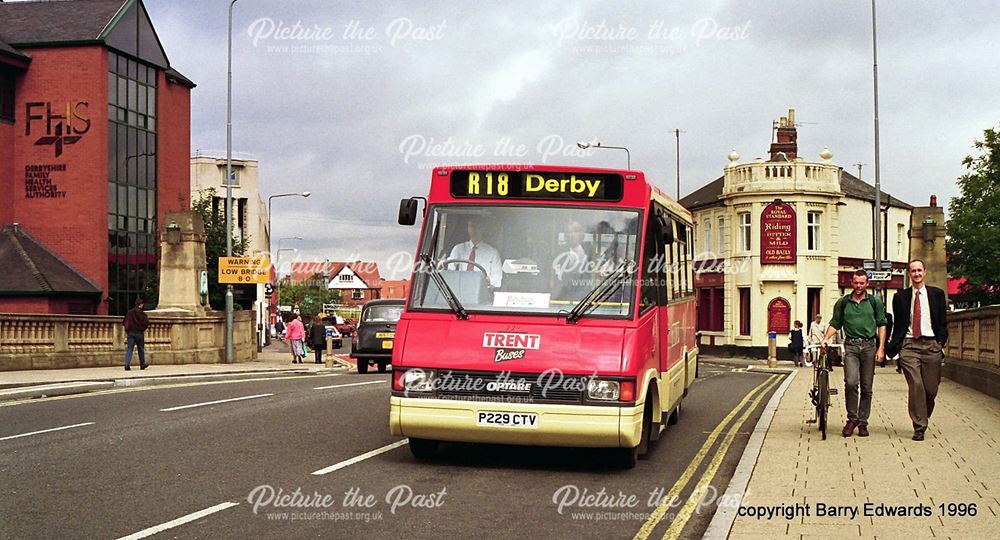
(722, 235)
(744, 311)
(132, 181)
(813, 229)
(358, 294)
(707, 235)
(7, 79)
(744, 244)
(900, 234)
(711, 304)
(345, 278)
(234, 179)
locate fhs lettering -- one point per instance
(62, 127)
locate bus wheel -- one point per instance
(362, 365)
(423, 448)
(647, 427)
(675, 416)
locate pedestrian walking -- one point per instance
(796, 344)
(136, 322)
(919, 336)
(296, 334)
(317, 338)
(817, 329)
(279, 329)
(862, 317)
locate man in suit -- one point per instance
(919, 335)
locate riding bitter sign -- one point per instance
(244, 270)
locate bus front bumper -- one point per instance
(557, 425)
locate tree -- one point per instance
(974, 227)
(215, 246)
(310, 295)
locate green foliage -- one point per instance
(215, 246)
(310, 295)
(974, 227)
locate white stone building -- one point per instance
(778, 240)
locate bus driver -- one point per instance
(479, 252)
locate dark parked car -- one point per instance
(376, 331)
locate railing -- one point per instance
(974, 335)
(37, 341)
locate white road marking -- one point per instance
(346, 385)
(179, 521)
(46, 431)
(214, 402)
(362, 457)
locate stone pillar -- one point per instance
(181, 263)
(927, 232)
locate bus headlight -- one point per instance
(603, 390)
(417, 380)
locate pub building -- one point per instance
(94, 148)
(778, 240)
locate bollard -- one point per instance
(329, 351)
(772, 349)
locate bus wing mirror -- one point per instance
(408, 211)
(667, 228)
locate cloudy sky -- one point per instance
(356, 101)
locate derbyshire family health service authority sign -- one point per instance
(244, 270)
(777, 234)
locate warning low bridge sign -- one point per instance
(244, 270)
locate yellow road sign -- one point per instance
(244, 270)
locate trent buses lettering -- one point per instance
(62, 125)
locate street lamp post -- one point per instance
(628, 156)
(229, 182)
(878, 202)
(269, 199)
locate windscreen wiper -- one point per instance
(449, 295)
(602, 290)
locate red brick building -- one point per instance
(358, 281)
(94, 149)
(396, 288)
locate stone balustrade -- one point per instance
(35, 341)
(972, 354)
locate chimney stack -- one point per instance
(786, 142)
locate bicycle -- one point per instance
(820, 392)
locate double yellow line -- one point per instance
(684, 514)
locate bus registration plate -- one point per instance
(382, 335)
(508, 419)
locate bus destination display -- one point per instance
(537, 185)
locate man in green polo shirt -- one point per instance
(862, 316)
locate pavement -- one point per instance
(273, 361)
(799, 473)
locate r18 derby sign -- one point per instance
(777, 234)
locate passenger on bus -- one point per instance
(479, 252)
(570, 276)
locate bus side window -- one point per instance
(648, 294)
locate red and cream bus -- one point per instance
(549, 306)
